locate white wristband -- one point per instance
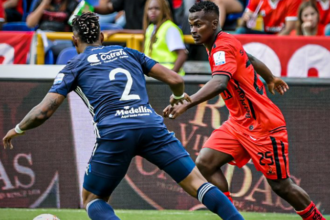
(18, 130)
(178, 97)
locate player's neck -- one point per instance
(83, 47)
(212, 39)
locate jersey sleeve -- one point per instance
(64, 81)
(146, 62)
(252, 5)
(292, 11)
(223, 61)
(174, 39)
(2, 12)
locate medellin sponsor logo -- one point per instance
(129, 112)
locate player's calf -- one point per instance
(296, 197)
(97, 208)
(311, 213)
(195, 184)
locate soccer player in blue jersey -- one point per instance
(111, 82)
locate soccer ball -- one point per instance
(46, 217)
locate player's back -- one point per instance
(245, 96)
(111, 82)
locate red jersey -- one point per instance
(275, 14)
(2, 12)
(250, 109)
(324, 10)
(19, 6)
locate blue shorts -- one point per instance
(113, 153)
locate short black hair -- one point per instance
(87, 27)
(206, 6)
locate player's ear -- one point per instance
(75, 41)
(215, 24)
(101, 37)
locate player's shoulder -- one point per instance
(225, 41)
(288, 3)
(74, 62)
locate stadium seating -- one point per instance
(110, 26)
(16, 26)
(21, 26)
(66, 55)
(49, 57)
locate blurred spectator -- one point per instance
(2, 15)
(117, 18)
(13, 10)
(228, 7)
(279, 16)
(134, 10)
(308, 20)
(163, 39)
(53, 16)
(324, 11)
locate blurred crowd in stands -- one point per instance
(164, 22)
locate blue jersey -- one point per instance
(111, 82)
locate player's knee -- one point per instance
(88, 197)
(205, 167)
(281, 187)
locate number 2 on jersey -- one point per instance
(125, 96)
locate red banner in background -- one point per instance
(14, 47)
(289, 55)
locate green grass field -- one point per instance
(78, 214)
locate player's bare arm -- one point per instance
(273, 83)
(212, 88)
(37, 116)
(104, 7)
(289, 26)
(174, 81)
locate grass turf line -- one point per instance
(79, 214)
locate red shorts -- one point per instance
(269, 154)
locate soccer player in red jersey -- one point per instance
(256, 128)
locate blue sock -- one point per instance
(100, 210)
(217, 202)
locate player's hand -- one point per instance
(278, 85)
(173, 112)
(7, 139)
(47, 2)
(174, 101)
(307, 25)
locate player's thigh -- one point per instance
(222, 147)
(109, 162)
(270, 154)
(161, 148)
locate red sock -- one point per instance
(228, 195)
(311, 213)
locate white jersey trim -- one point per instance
(291, 18)
(81, 94)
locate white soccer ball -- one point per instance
(46, 217)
